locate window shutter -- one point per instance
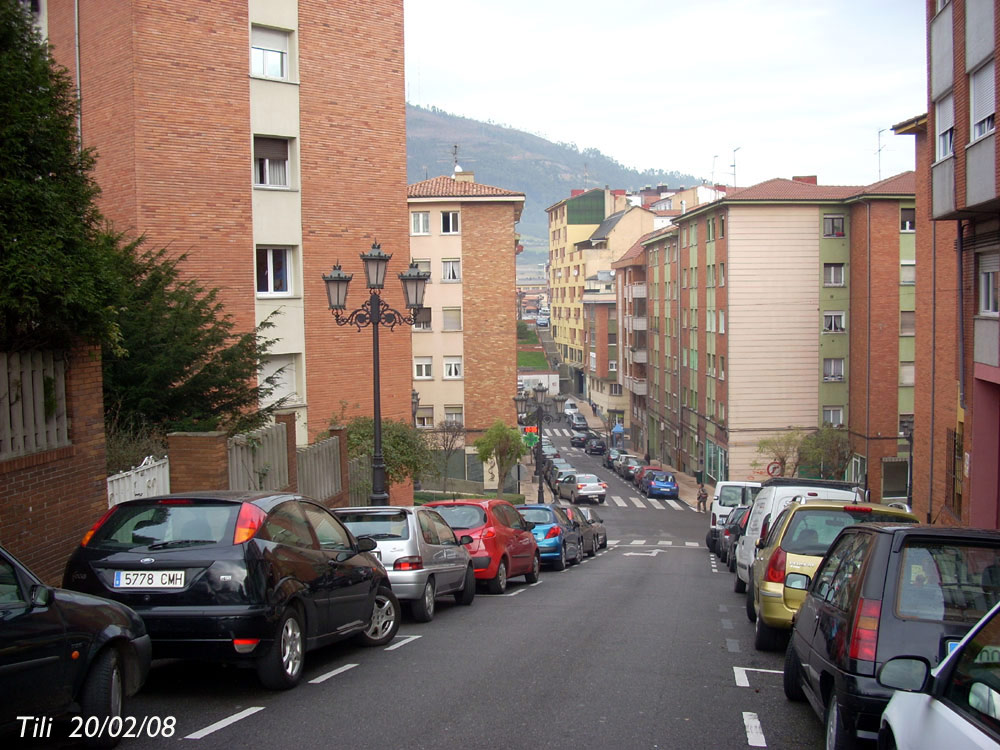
(989, 263)
(270, 39)
(982, 94)
(944, 114)
(270, 148)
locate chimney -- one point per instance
(462, 176)
(809, 179)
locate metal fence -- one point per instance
(32, 403)
(319, 469)
(258, 460)
(151, 477)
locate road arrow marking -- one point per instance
(651, 553)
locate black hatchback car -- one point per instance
(252, 578)
(595, 446)
(62, 651)
(883, 590)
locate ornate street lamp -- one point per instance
(537, 397)
(376, 313)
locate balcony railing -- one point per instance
(637, 291)
(636, 385)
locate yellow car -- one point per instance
(796, 542)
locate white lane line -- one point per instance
(637, 502)
(727, 624)
(224, 723)
(666, 542)
(401, 640)
(740, 673)
(618, 501)
(636, 542)
(733, 645)
(675, 505)
(515, 593)
(334, 673)
(755, 735)
(654, 503)
(534, 584)
(613, 542)
(692, 544)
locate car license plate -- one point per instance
(149, 579)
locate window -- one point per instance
(833, 322)
(425, 417)
(451, 270)
(613, 367)
(989, 270)
(833, 274)
(833, 369)
(269, 53)
(449, 222)
(452, 368)
(420, 222)
(722, 226)
(905, 424)
(982, 101)
(422, 320)
(906, 373)
(833, 415)
(423, 368)
(907, 219)
(453, 414)
(907, 323)
(907, 273)
(722, 274)
(971, 687)
(280, 369)
(271, 162)
(616, 389)
(273, 272)
(451, 318)
(722, 321)
(944, 125)
(833, 225)
(329, 532)
(287, 525)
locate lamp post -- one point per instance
(522, 400)
(414, 404)
(376, 313)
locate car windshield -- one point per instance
(384, 525)
(587, 479)
(537, 515)
(947, 580)
(462, 516)
(811, 531)
(730, 496)
(172, 523)
(661, 476)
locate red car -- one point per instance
(502, 543)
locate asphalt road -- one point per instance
(644, 646)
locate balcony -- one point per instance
(636, 323)
(637, 291)
(636, 385)
(640, 355)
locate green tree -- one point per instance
(504, 444)
(404, 447)
(825, 453)
(181, 364)
(783, 448)
(56, 284)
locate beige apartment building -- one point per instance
(465, 357)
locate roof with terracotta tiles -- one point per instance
(449, 187)
(900, 184)
(780, 189)
(634, 253)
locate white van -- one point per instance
(728, 495)
(570, 408)
(772, 498)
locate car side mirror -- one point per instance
(41, 595)
(465, 539)
(367, 544)
(529, 525)
(759, 544)
(797, 581)
(907, 673)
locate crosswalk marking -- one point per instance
(612, 542)
(665, 543)
(654, 503)
(637, 502)
(638, 541)
(675, 505)
(618, 501)
(691, 544)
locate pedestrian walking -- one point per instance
(702, 498)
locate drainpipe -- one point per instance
(960, 246)
(930, 490)
(79, 90)
(868, 341)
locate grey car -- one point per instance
(577, 487)
(558, 475)
(597, 522)
(420, 551)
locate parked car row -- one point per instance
(256, 580)
(866, 601)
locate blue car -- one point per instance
(558, 538)
(661, 483)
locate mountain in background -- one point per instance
(500, 156)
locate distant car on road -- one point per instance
(595, 446)
(579, 439)
(658, 483)
(597, 522)
(570, 408)
(577, 421)
(542, 321)
(576, 487)
(559, 539)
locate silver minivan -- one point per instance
(420, 552)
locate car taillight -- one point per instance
(864, 633)
(250, 519)
(488, 533)
(856, 509)
(775, 572)
(725, 532)
(714, 520)
(553, 532)
(415, 562)
(604, 485)
(96, 526)
(580, 486)
(245, 645)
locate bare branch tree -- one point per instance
(449, 438)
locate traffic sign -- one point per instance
(774, 469)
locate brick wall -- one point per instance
(489, 318)
(52, 498)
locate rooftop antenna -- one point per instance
(733, 165)
(713, 168)
(878, 152)
(454, 160)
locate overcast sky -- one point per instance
(801, 87)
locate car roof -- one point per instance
(928, 531)
(825, 504)
(264, 499)
(377, 508)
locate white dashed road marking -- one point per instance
(224, 723)
(635, 542)
(401, 640)
(755, 735)
(334, 673)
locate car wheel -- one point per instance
(536, 565)
(103, 694)
(723, 555)
(732, 563)
(601, 500)
(738, 585)
(604, 541)
(751, 612)
(498, 583)
(709, 542)
(765, 638)
(468, 592)
(560, 563)
(791, 680)
(837, 736)
(280, 668)
(593, 546)
(422, 609)
(385, 619)
(579, 553)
